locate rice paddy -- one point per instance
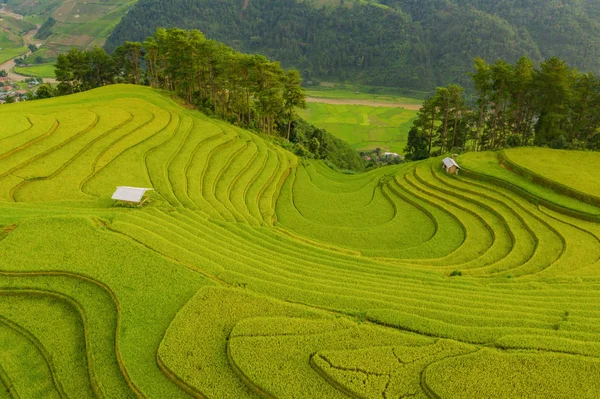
(253, 273)
(37, 71)
(364, 127)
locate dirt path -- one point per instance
(5, 11)
(335, 101)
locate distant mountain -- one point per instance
(416, 44)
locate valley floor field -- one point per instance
(254, 273)
(363, 124)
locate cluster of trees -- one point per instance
(517, 104)
(246, 89)
(417, 44)
(45, 30)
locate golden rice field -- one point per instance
(252, 273)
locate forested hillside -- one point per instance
(405, 43)
(368, 44)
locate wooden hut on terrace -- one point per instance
(450, 166)
(131, 195)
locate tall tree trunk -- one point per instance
(248, 103)
(446, 112)
(455, 127)
(479, 125)
(431, 131)
(496, 114)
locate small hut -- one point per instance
(131, 195)
(450, 166)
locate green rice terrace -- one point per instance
(253, 273)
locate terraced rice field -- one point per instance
(252, 273)
(364, 127)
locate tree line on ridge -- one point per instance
(517, 104)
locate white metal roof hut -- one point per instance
(131, 195)
(450, 166)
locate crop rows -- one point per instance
(252, 272)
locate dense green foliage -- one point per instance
(517, 105)
(251, 272)
(361, 43)
(46, 29)
(406, 43)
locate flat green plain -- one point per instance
(252, 273)
(363, 127)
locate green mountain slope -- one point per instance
(253, 273)
(404, 43)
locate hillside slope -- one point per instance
(404, 43)
(74, 23)
(254, 273)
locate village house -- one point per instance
(391, 155)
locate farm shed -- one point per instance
(450, 166)
(132, 195)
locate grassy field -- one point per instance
(252, 273)
(7, 54)
(11, 43)
(11, 46)
(41, 71)
(364, 127)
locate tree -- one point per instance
(483, 86)
(456, 95)
(127, 59)
(293, 96)
(443, 102)
(416, 146)
(45, 91)
(64, 74)
(521, 97)
(425, 121)
(554, 91)
(101, 67)
(584, 113)
(501, 75)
